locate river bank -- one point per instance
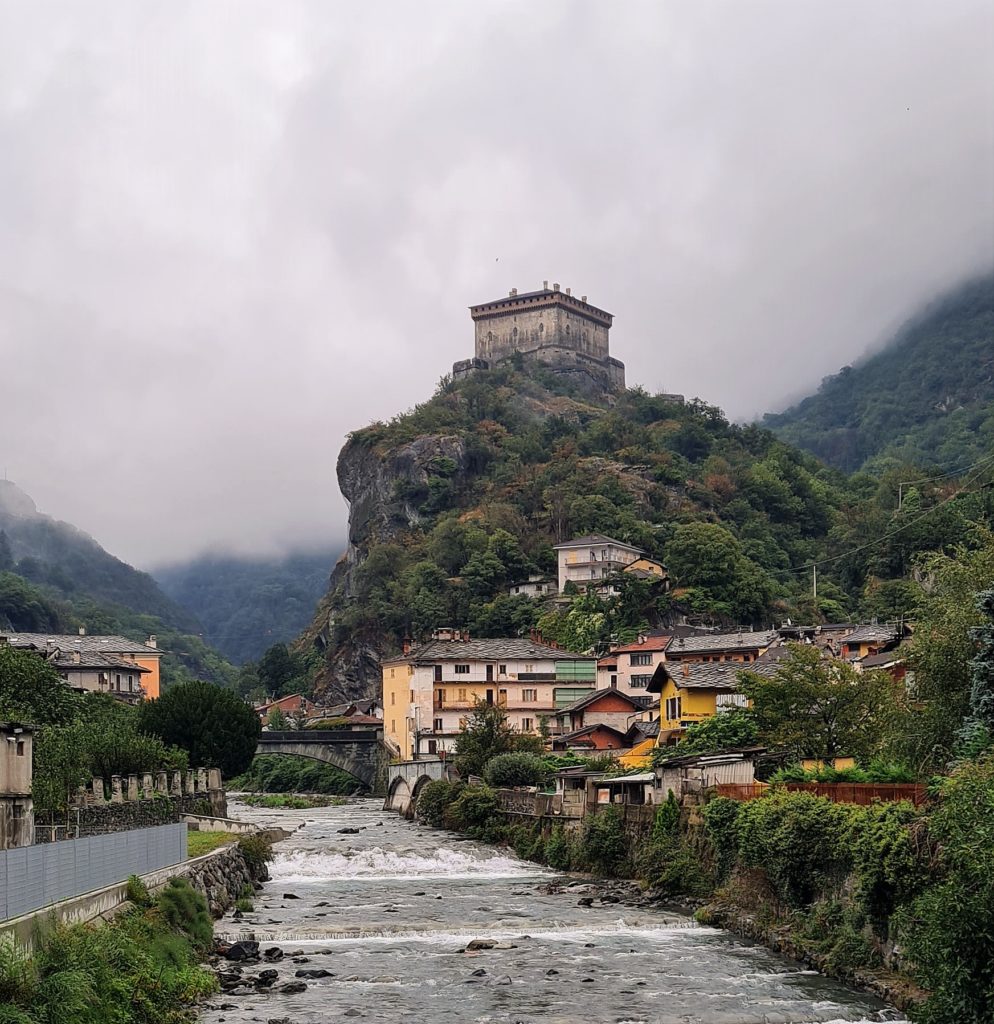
(391, 920)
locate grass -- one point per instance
(199, 843)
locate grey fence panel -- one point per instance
(33, 877)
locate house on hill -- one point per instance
(722, 647)
(593, 558)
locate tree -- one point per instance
(277, 669)
(978, 730)
(31, 690)
(277, 720)
(727, 730)
(214, 725)
(820, 707)
(486, 734)
(515, 769)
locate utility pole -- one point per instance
(814, 581)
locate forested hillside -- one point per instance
(927, 398)
(247, 605)
(54, 578)
(467, 493)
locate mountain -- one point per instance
(247, 605)
(56, 578)
(926, 398)
(466, 494)
(64, 559)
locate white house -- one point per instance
(589, 559)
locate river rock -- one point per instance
(279, 1020)
(476, 944)
(348, 831)
(290, 896)
(479, 972)
(244, 950)
(266, 978)
(291, 988)
(273, 954)
(585, 901)
(313, 972)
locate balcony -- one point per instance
(513, 703)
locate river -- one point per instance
(389, 911)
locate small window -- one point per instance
(118, 680)
(642, 658)
(502, 670)
(440, 696)
(462, 693)
(541, 328)
(20, 748)
(432, 746)
(439, 725)
(393, 699)
(529, 696)
(462, 670)
(18, 811)
(640, 682)
(391, 673)
(527, 724)
(393, 724)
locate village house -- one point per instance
(599, 721)
(696, 773)
(863, 641)
(534, 586)
(595, 557)
(690, 692)
(97, 664)
(17, 827)
(648, 569)
(721, 647)
(629, 668)
(293, 705)
(431, 689)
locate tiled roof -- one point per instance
(883, 659)
(95, 644)
(595, 539)
(88, 659)
(587, 730)
(706, 675)
(509, 648)
(722, 642)
(871, 635)
(651, 643)
(592, 698)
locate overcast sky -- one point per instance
(232, 232)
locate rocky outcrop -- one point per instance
(384, 487)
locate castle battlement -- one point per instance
(550, 326)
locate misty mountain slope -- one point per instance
(466, 494)
(927, 398)
(247, 605)
(69, 562)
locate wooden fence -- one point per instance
(862, 793)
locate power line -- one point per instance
(934, 479)
(886, 536)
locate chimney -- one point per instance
(152, 641)
(568, 291)
(555, 286)
(76, 657)
(583, 298)
(512, 293)
(406, 648)
(82, 630)
(686, 670)
(545, 286)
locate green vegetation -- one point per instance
(291, 801)
(257, 851)
(246, 604)
(924, 399)
(200, 843)
(139, 969)
(515, 769)
(278, 673)
(280, 773)
(80, 735)
(733, 728)
(215, 726)
(487, 734)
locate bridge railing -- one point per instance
(320, 735)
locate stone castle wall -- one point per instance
(547, 327)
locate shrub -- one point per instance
(474, 810)
(506, 771)
(605, 845)
(246, 906)
(257, 851)
(797, 839)
(721, 825)
(559, 850)
(434, 799)
(185, 910)
(137, 892)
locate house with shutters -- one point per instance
(431, 689)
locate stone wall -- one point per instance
(222, 876)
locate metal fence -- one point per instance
(33, 877)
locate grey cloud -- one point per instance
(233, 232)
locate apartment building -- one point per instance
(430, 690)
(589, 559)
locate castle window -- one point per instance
(490, 335)
(541, 328)
(567, 330)
(514, 333)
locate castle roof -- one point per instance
(544, 296)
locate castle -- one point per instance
(550, 326)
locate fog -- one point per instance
(232, 232)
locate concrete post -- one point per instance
(133, 792)
(147, 786)
(177, 784)
(162, 783)
(201, 780)
(116, 795)
(214, 779)
(190, 781)
(97, 790)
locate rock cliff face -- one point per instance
(378, 484)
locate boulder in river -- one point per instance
(477, 944)
(266, 978)
(244, 950)
(273, 954)
(313, 972)
(291, 988)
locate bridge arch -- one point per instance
(359, 754)
(399, 796)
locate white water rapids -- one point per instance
(388, 912)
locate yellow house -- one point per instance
(690, 692)
(647, 566)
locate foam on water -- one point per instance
(375, 862)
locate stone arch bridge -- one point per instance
(360, 753)
(406, 780)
